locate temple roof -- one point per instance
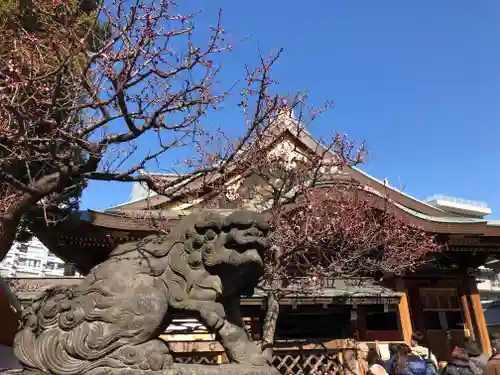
(492, 314)
(418, 211)
(140, 220)
(88, 236)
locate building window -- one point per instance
(23, 248)
(431, 320)
(441, 308)
(312, 322)
(382, 321)
(35, 263)
(439, 299)
(454, 319)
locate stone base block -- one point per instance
(226, 369)
(189, 369)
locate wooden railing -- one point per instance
(290, 358)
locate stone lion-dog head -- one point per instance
(231, 247)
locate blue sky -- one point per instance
(418, 80)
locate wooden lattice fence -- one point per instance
(306, 362)
(288, 363)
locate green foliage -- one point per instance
(30, 29)
(7, 8)
(33, 15)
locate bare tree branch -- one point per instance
(79, 89)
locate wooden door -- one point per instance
(443, 319)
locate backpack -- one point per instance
(416, 366)
(429, 362)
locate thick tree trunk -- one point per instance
(270, 322)
(12, 318)
(8, 230)
(10, 221)
(11, 314)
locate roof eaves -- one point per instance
(446, 219)
(167, 214)
(130, 202)
(396, 190)
(319, 145)
(152, 194)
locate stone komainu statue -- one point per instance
(110, 323)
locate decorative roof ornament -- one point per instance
(286, 114)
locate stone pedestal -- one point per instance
(190, 369)
(109, 323)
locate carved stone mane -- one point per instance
(111, 321)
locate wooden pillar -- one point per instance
(404, 311)
(416, 310)
(465, 304)
(353, 326)
(477, 308)
(467, 316)
(361, 323)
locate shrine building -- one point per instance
(440, 300)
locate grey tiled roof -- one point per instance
(339, 289)
(343, 288)
(445, 219)
(492, 314)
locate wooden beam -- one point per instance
(280, 346)
(353, 323)
(416, 306)
(404, 311)
(477, 308)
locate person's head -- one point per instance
(362, 350)
(348, 355)
(460, 352)
(403, 351)
(393, 349)
(416, 338)
(376, 369)
(373, 357)
(495, 345)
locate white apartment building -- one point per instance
(31, 259)
(488, 282)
